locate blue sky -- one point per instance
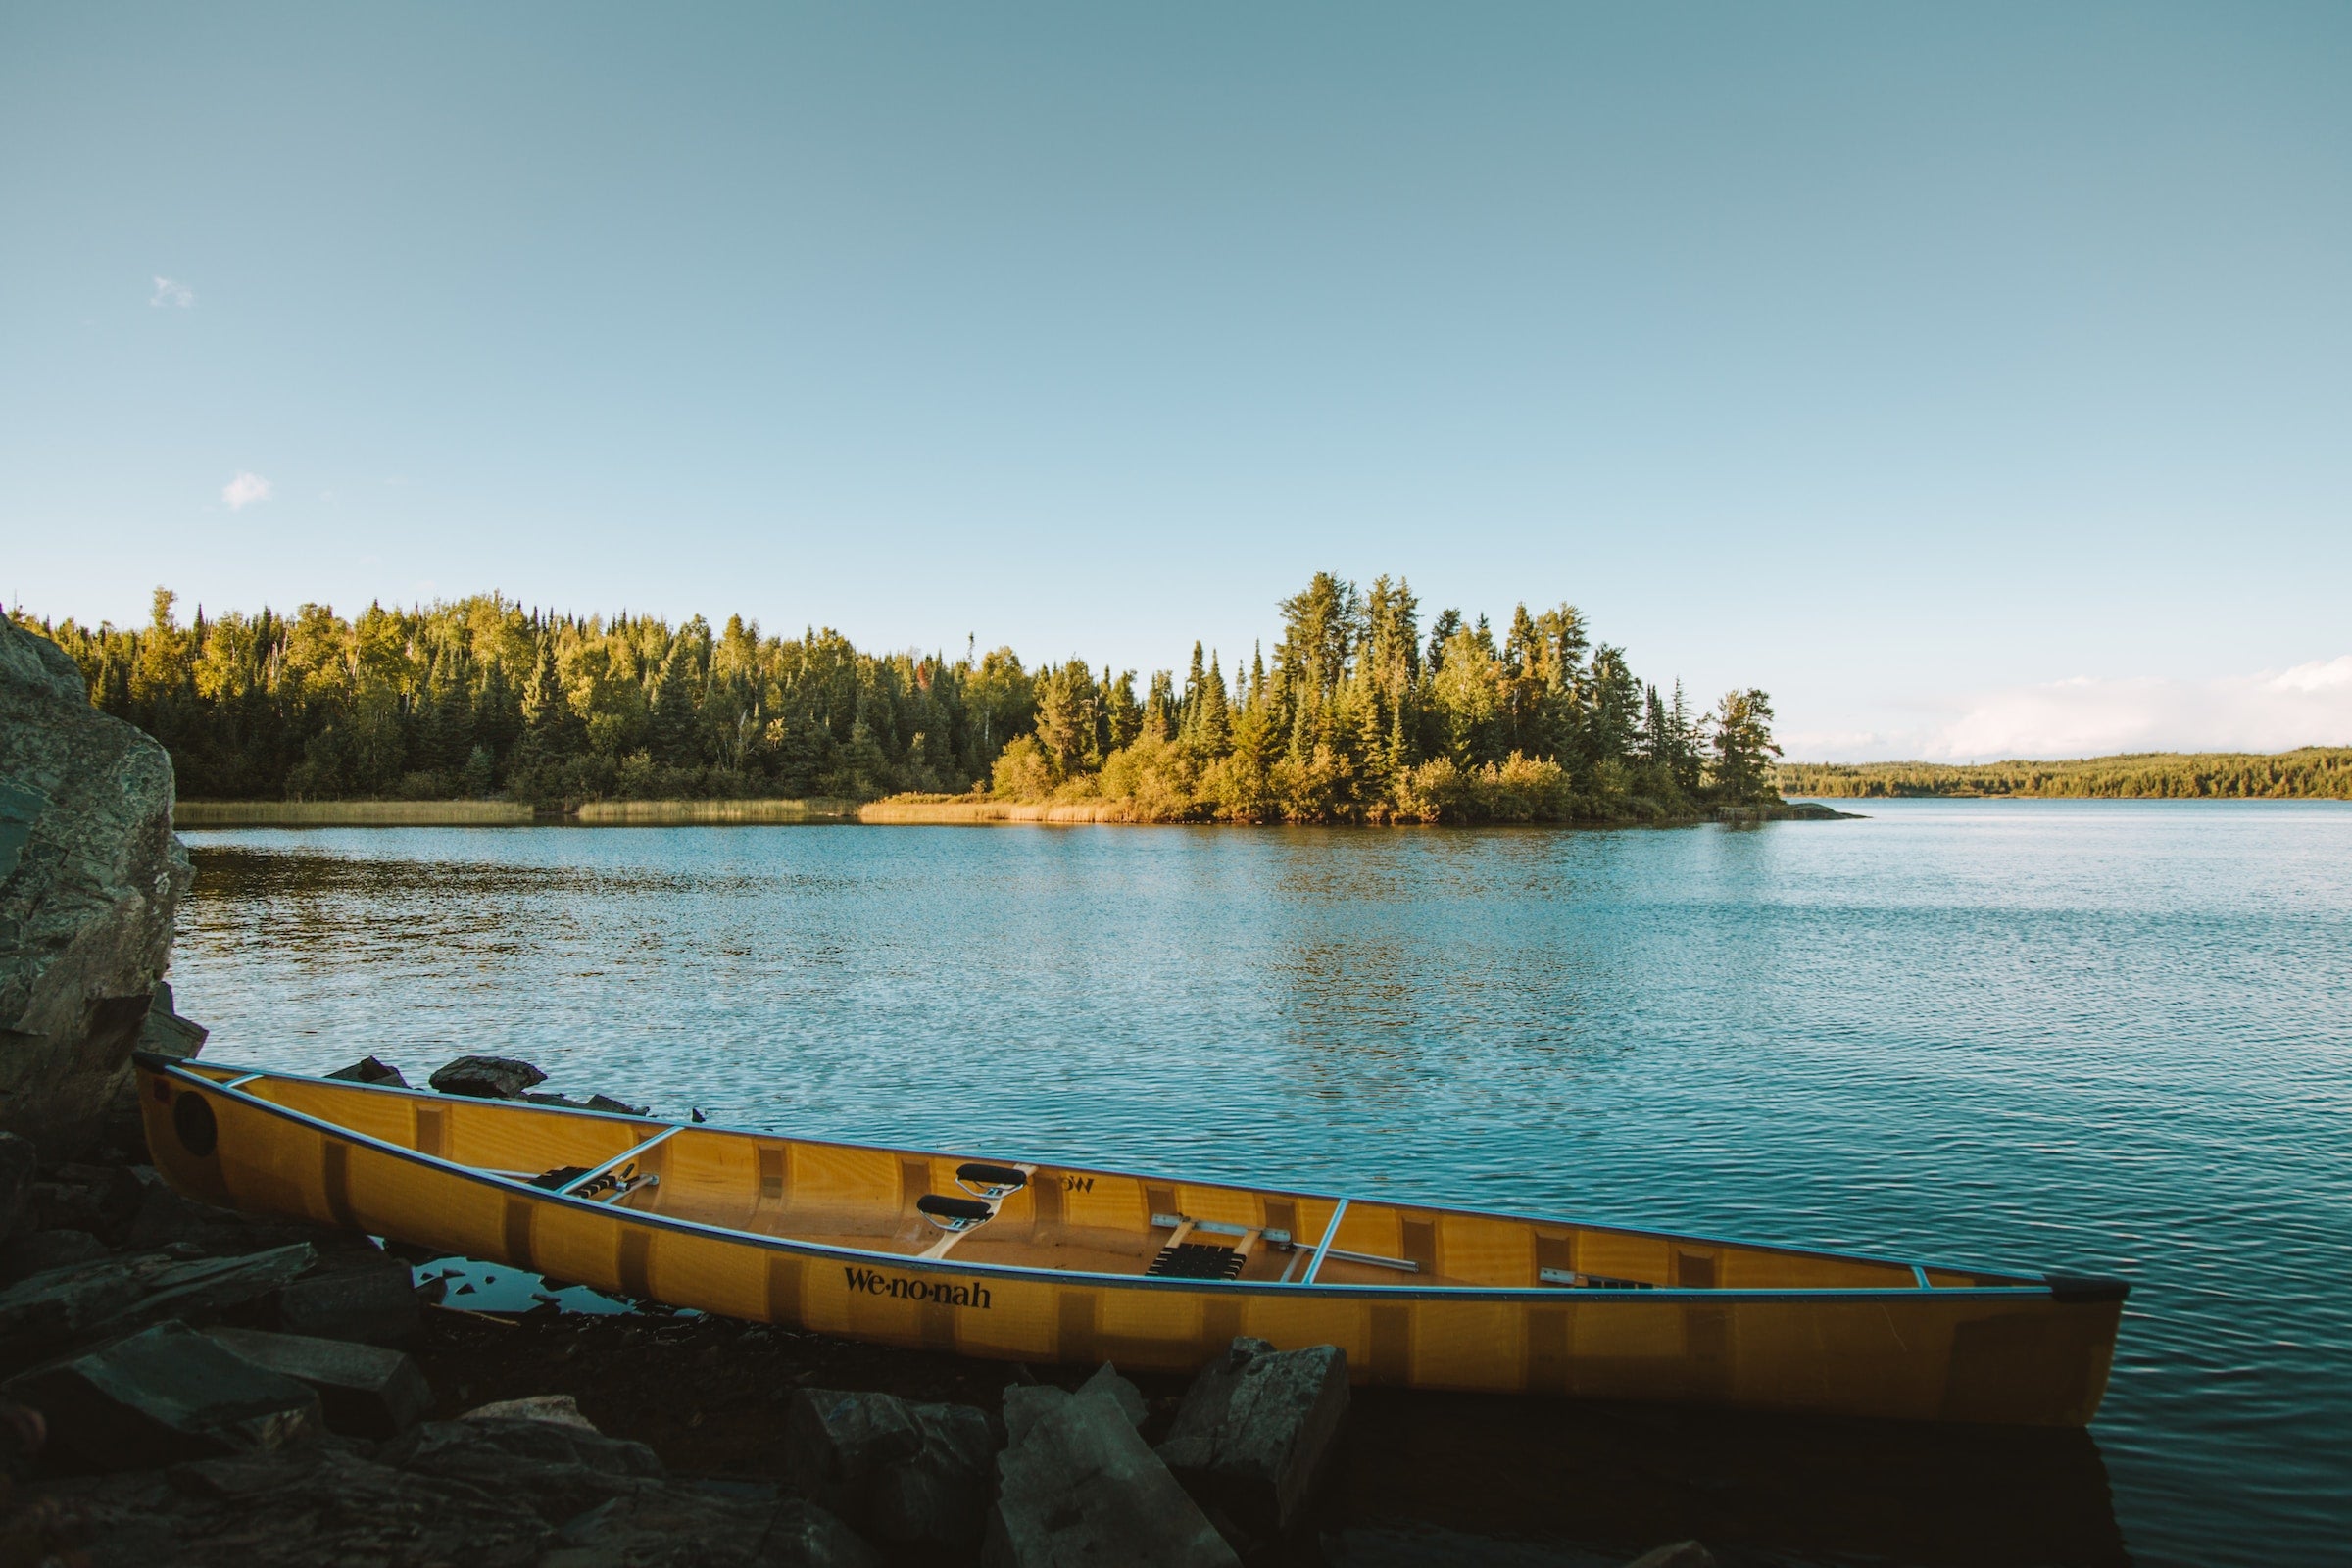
(1976, 379)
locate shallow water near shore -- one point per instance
(2098, 1036)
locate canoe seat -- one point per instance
(983, 1180)
(1197, 1260)
(954, 1214)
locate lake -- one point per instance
(2110, 1037)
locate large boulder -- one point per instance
(560, 1471)
(90, 879)
(1078, 1488)
(113, 1296)
(1258, 1432)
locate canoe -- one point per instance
(1042, 1262)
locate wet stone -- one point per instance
(487, 1077)
(371, 1070)
(165, 1395)
(561, 1409)
(363, 1390)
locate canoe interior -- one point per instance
(1067, 1218)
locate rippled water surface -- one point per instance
(2098, 1036)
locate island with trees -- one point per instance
(1358, 713)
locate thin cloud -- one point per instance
(2271, 710)
(245, 489)
(169, 295)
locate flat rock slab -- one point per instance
(1257, 1432)
(1078, 1488)
(115, 1296)
(165, 1395)
(363, 1390)
(911, 1474)
(307, 1507)
(559, 1471)
(684, 1527)
(487, 1077)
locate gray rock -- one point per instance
(1078, 1489)
(17, 1171)
(1108, 1384)
(561, 1409)
(560, 1471)
(372, 1070)
(44, 1314)
(90, 878)
(38, 1254)
(364, 1391)
(166, 1033)
(487, 1077)
(1258, 1432)
(687, 1526)
(103, 1200)
(1681, 1554)
(366, 1294)
(912, 1475)
(165, 1395)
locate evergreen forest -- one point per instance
(1359, 713)
(2313, 772)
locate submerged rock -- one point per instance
(90, 880)
(1258, 1429)
(165, 1395)
(487, 1077)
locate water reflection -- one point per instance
(1615, 1480)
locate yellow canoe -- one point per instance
(1027, 1261)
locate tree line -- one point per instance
(1357, 714)
(2312, 772)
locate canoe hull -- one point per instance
(2005, 1357)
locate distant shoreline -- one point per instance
(2311, 772)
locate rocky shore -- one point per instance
(185, 1383)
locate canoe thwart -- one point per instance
(1281, 1239)
(1403, 1264)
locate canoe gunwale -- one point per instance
(2025, 1288)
